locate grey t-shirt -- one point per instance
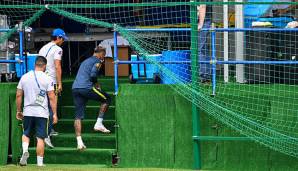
(87, 70)
(30, 88)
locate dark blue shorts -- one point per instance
(37, 124)
(81, 97)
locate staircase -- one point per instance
(100, 147)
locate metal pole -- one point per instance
(257, 62)
(25, 50)
(255, 29)
(69, 59)
(116, 62)
(5, 30)
(21, 51)
(160, 62)
(221, 138)
(10, 61)
(158, 30)
(169, 42)
(215, 62)
(226, 41)
(213, 36)
(239, 40)
(217, 29)
(194, 79)
(79, 54)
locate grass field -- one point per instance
(77, 168)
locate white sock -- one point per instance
(79, 140)
(25, 147)
(99, 121)
(39, 161)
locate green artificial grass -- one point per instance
(65, 167)
(155, 127)
(91, 112)
(148, 114)
(4, 123)
(91, 140)
(16, 128)
(70, 155)
(66, 125)
(155, 130)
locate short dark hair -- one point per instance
(40, 61)
(99, 49)
(54, 38)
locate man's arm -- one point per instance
(53, 104)
(201, 14)
(19, 100)
(93, 75)
(58, 74)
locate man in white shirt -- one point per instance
(35, 86)
(53, 53)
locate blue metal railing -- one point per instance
(20, 60)
(216, 29)
(10, 61)
(213, 58)
(4, 30)
(214, 62)
(115, 62)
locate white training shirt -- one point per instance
(52, 52)
(29, 86)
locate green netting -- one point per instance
(238, 88)
(27, 22)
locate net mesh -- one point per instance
(258, 100)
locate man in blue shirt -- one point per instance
(86, 87)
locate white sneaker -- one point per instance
(81, 147)
(48, 142)
(41, 165)
(23, 160)
(101, 128)
(54, 133)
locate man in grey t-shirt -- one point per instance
(35, 86)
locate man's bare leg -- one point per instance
(40, 151)
(25, 155)
(99, 125)
(78, 130)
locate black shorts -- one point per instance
(37, 124)
(81, 97)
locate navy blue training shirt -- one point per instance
(86, 72)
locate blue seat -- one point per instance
(144, 72)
